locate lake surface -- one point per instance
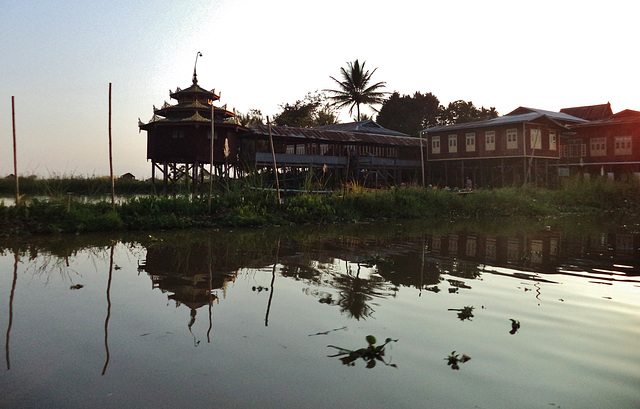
(550, 317)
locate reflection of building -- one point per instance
(539, 250)
(188, 275)
(543, 252)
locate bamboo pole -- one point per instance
(422, 158)
(113, 187)
(211, 153)
(15, 156)
(275, 168)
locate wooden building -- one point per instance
(523, 146)
(607, 146)
(361, 152)
(179, 137)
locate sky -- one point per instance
(59, 57)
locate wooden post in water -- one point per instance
(15, 156)
(211, 151)
(113, 187)
(422, 158)
(273, 153)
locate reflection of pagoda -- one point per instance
(179, 136)
(188, 277)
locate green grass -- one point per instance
(242, 206)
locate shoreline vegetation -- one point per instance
(47, 206)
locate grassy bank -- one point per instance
(242, 206)
(81, 186)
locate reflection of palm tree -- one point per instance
(354, 89)
(356, 293)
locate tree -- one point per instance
(312, 110)
(409, 114)
(355, 89)
(254, 117)
(458, 112)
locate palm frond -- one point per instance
(354, 89)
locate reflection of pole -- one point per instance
(422, 267)
(273, 153)
(13, 290)
(15, 156)
(273, 280)
(106, 320)
(210, 291)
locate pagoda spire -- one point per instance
(195, 76)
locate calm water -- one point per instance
(231, 319)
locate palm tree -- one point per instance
(355, 89)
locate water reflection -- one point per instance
(337, 284)
(13, 290)
(106, 320)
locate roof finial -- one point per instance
(195, 76)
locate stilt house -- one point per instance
(179, 137)
(520, 147)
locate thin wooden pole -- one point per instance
(422, 158)
(275, 168)
(113, 187)
(211, 153)
(15, 156)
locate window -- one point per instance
(553, 141)
(512, 138)
(471, 142)
(453, 143)
(178, 134)
(490, 140)
(575, 149)
(622, 145)
(300, 150)
(597, 147)
(435, 144)
(536, 139)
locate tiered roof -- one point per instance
(194, 106)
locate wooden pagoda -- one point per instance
(179, 138)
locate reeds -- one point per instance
(243, 205)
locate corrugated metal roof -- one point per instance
(559, 116)
(627, 116)
(326, 135)
(524, 115)
(590, 112)
(367, 126)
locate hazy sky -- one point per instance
(58, 58)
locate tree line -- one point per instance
(408, 114)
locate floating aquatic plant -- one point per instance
(515, 326)
(371, 354)
(464, 313)
(454, 359)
